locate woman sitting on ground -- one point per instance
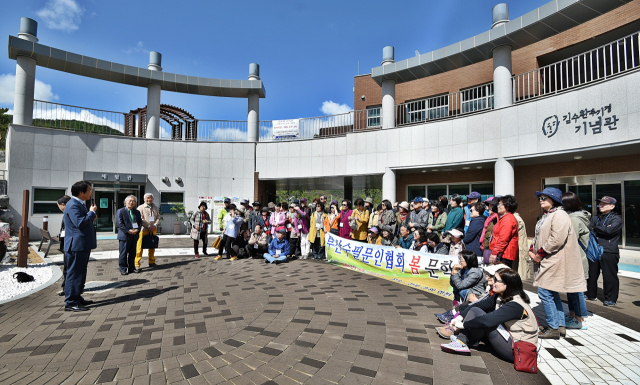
(467, 277)
(435, 246)
(457, 246)
(509, 306)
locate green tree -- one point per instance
(5, 120)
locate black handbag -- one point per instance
(150, 241)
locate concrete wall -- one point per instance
(510, 132)
(41, 157)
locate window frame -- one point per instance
(378, 117)
(34, 201)
(163, 205)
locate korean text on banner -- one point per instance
(424, 271)
(285, 129)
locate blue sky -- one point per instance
(308, 51)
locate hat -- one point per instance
(271, 205)
(227, 200)
(608, 200)
(418, 200)
(303, 200)
(387, 228)
(281, 230)
(373, 230)
(552, 192)
(244, 200)
(265, 209)
(405, 205)
(296, 201)
(456, 233)
(369, 200)
(241, 209)
(492, 269)
(474, 195)
(492, 200)
(334, 203)
(256, 203)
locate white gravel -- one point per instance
(10, 287)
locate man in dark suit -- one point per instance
(79, 240)
(129, 223)
(62, 202)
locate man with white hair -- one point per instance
(129, 222)
(150, 214)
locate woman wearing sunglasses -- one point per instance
(501, 318)
(557, 266)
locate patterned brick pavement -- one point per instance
(243, 322)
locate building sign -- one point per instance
(114, 177)
(286, 129)
(104, 203)
(587, 121)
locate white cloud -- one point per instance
(138, 48)
(60, 112)
(63, 15)
(8, 85)
(331, 108)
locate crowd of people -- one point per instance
(489, 302)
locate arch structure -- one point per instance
(136, 122)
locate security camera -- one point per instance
(363, 98)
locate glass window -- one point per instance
(169, 199)
(45, 200)
(613, 190)
(585, 194)
(632, 212)
(460, 189)
(477, 98)
(433, 192)
(416, 191)
(562, 186)
(373, 116)
(485, 189)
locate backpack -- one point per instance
(593, 250)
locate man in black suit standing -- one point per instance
(79, 240)
(129, 223)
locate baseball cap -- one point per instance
(608, 200)
(474, 195)
(492, 269)
(418, 200)
(244, 200)
(373, 230)
(282, 230)
(296, 201)
(303, 199)
(256, 203)
(227, 200)
(456, 233)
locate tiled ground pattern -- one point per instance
(243, 322)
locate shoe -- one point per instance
(549, 334)
(61, 293)
(456, 347)
(219, 257)
(609, 303)
(250, 258)
(152, 266)
(446, 316)
(233, 258)
(563, 331)
(75, 308)
(266, 261)
(85, 302)
(205, 253)
(137, 271)
(446, 331)
(592, 299)
(197, 255)
(123, 273)
(573, 323)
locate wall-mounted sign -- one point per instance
(286, 129)
(114, 177)
(104, 203)
(591, 121)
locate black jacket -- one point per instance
(608, 229)
(474, 232)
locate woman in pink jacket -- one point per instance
(345, 213)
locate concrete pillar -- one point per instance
(504, 177)
(502, 86)
(25, 76)
(253, 114)
(388, 92)
(389, 185)
(153, 98)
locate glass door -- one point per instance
(613, 190)
(585, 193)
(632, 212)
(106, 213)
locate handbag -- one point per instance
(150, 241)
(195, 234)
(216, 243)
(353, 224)
(525, 356)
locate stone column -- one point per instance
(504, 177)
(153, 98)
(388, 92)
(389, 185)
(253, 114)
(25, 76)
(502, 85)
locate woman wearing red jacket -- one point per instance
(504, 240)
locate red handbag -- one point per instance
(525, 356)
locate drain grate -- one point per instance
(101, 286)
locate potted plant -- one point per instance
(179, 210)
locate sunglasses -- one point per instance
(498, 280)
(344, 204)
(543, 197)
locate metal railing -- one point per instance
(74, 118)
(221, 130)
(605, 61)
(444, 106)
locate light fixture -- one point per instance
(165, 179)
(434, 170)
(466, 168)
(577, 157)
(424, 170)
(478, 167)
(178, 180)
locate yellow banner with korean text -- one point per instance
(424, 271)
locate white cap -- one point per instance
(492, 269)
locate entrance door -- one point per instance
(106, 211)
(585, 193)
(613, 190)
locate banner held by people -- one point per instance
(424, 271)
